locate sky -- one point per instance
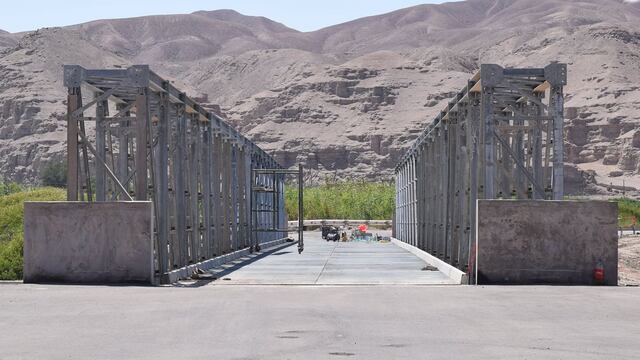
(303, 15)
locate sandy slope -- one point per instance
(629, 260)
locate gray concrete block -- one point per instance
(546, 242)
(81, 242)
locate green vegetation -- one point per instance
(7, 188)
(11, 217)
(628, 212)
(343, 200)
(367, 201)
(54, 174)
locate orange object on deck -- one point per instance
(362, 227)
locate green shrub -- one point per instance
(54, 174)
(7, 188)
(628, 212)
(376, 201)
(11, 259)
(344, 200)
(11, 232)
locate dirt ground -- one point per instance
(629, 260)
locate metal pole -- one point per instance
(300, 209)
(142, 119)
(74, 99)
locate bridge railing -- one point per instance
(147, 140)
(501, 136)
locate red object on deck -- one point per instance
(362, 227)
(598, 273)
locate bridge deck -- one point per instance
(337, 263)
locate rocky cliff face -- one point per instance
(346, 100)
(347, 119)
(33, 101)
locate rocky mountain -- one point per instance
(347, 99)
(6, 39)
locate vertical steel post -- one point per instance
(242, 170)
(142, 123)
(123, 148)
(162, 184)
(489, 146)
(300, 208)
(474, 139)
(74, 99)
(193, 189)
(538, 173)
(234, 198)
(101, 175)
(226, 196)
(556, 107)
(520, 183)
(206, 190)
(217, 194)
(179, 160)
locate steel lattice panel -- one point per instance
(501, 136)
(161, 145)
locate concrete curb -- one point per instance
(456, 275)
(185, 272)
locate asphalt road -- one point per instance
(318, 322)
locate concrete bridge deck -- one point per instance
(336, 263)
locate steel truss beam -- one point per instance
(500, 137)
(161, 145)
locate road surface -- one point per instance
(318, 321)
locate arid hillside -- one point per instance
(347, 99)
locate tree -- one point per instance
(54, 174)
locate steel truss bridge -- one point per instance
(501, 137)
(213, 190)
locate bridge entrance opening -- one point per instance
(268, 213)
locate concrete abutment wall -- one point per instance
(88, 242)
(546, 242)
